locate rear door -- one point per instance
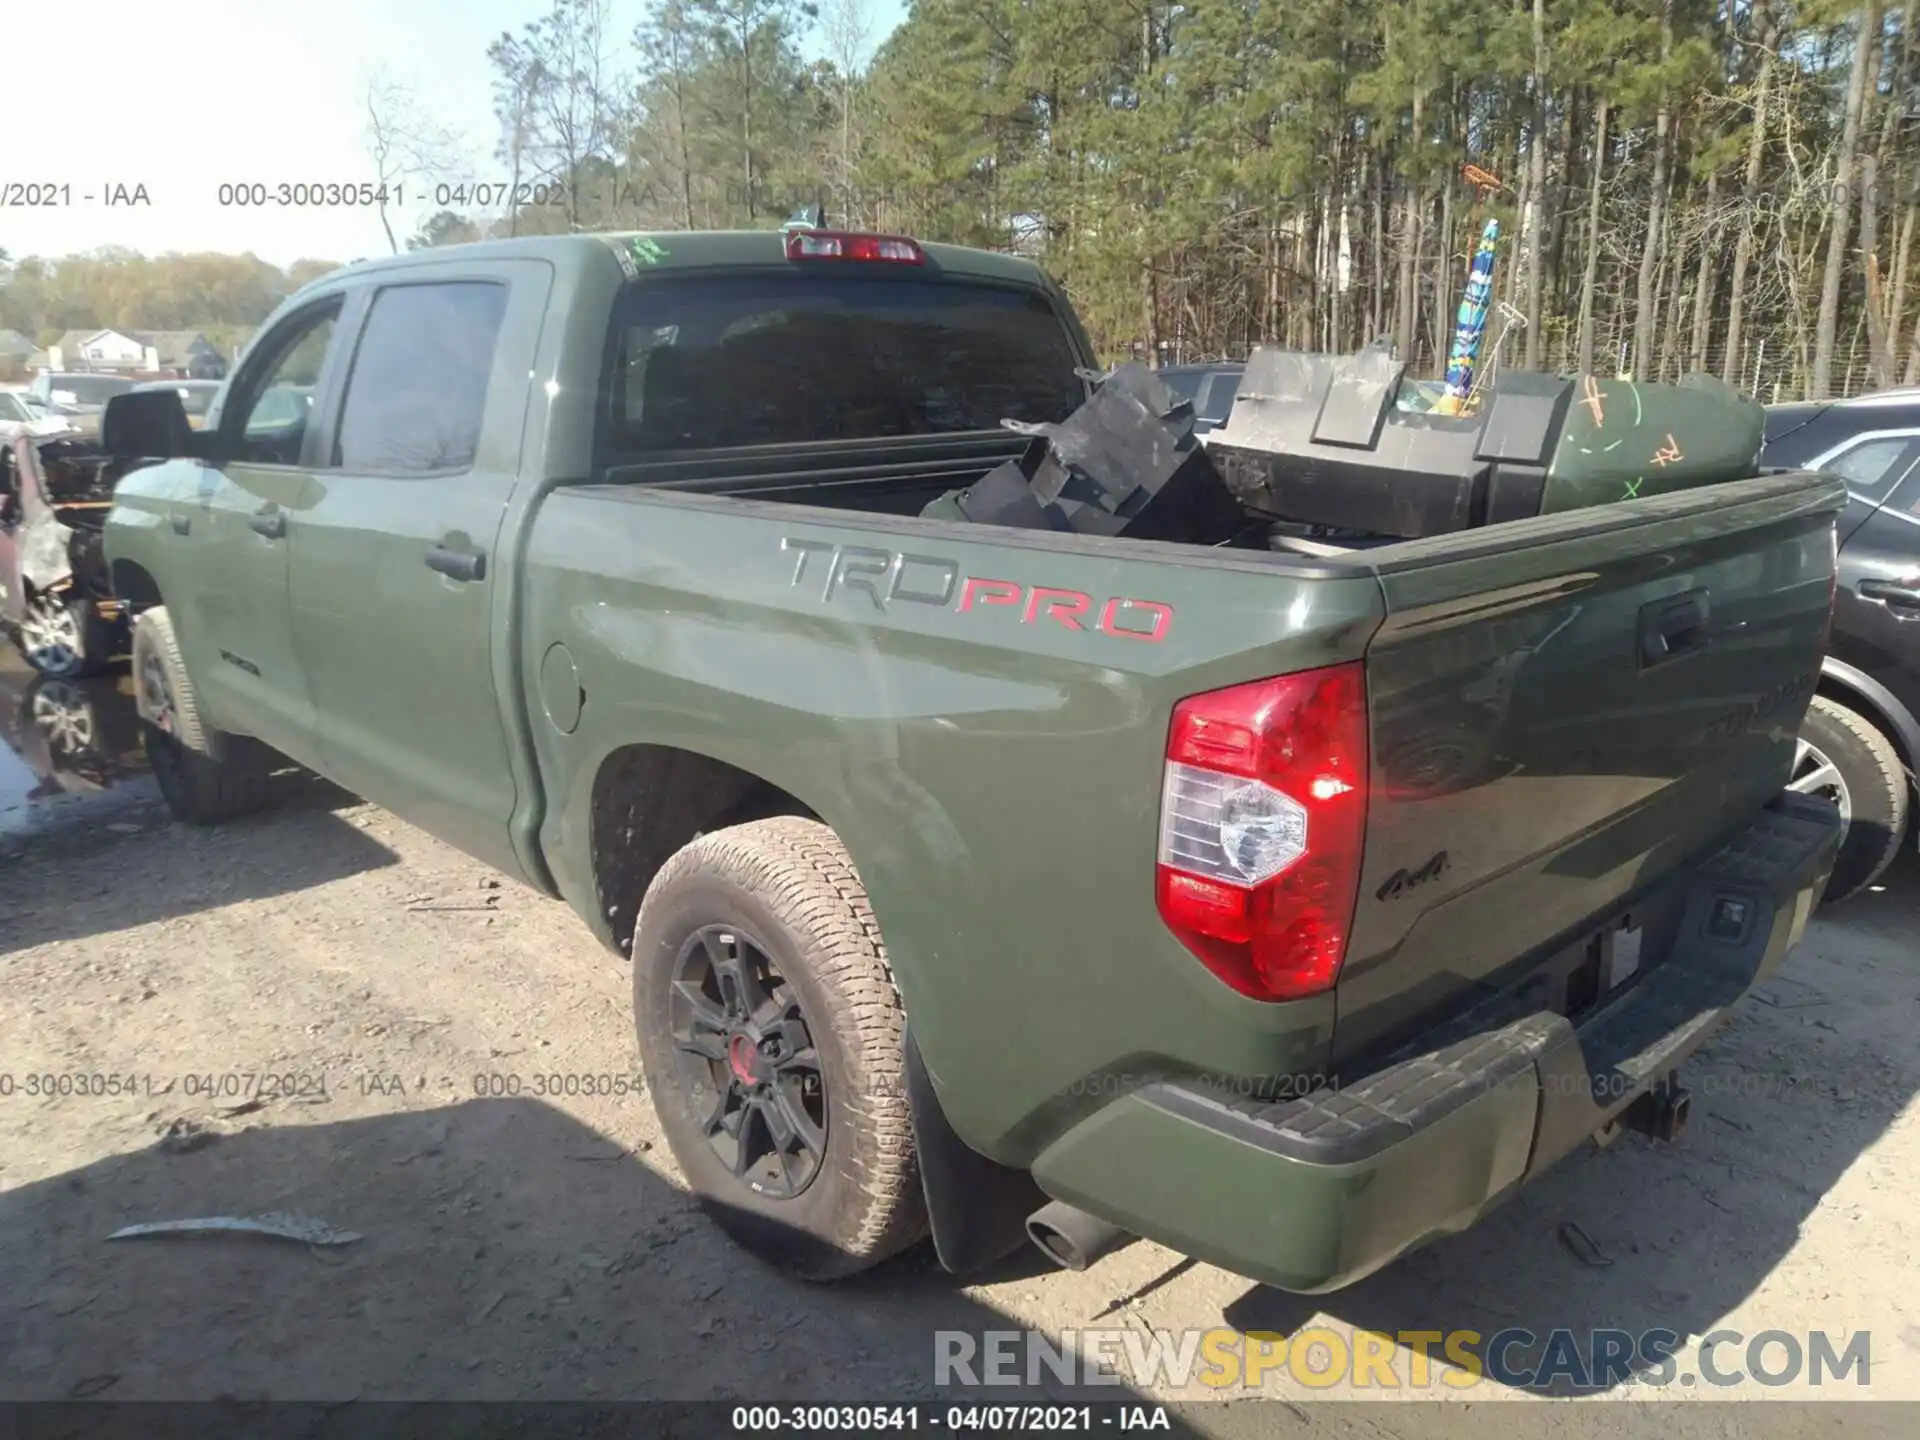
(1561, 720)
(396, 578)
(1877, 608)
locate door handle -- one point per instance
(270, 523)
(457, 564)
(1892, 594)
(181, 525)
(1669, 626)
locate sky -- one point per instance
(177, 103)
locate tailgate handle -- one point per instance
(1669, 626)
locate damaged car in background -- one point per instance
(77, 737)
(82, 394)
(56, 598)
(21, 415)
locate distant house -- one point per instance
(185, 354)
(158, 354)
(107, 350)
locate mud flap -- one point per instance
(976, 1207)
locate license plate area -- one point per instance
(1611, 959)
(1592, 970)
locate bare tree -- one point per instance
(674, 54)
(1533, 227)
(1703, 280)
(516, 79)
(847, 29)
(554, 93)
(1584, 341)
(404, 142)
(1840, 226)
(1901, 164)
(1407, 307)
(1766, 26)
(1643, 319)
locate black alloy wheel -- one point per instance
(743, 1041)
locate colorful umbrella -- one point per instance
(1471, 323)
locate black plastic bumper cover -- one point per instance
(1351, 1177)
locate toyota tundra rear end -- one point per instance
(1528, 852)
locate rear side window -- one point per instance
(418, 387)
(779, 359)
(1871, 467)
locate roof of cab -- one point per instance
(643, 251)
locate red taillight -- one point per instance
(839, 245)
(1263, 819)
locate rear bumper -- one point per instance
(1311, 1194)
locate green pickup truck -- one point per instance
(1288, 910)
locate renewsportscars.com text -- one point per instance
(1369, 1360)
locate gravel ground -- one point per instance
(401, 1008)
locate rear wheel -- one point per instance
(204, 776)
(773, 1040)
(1844, 757)
(63, 636)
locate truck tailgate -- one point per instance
(1565, 712)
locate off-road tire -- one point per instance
(789, 884)
(1877, 789)
(204, 776)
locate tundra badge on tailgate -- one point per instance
(887, 576)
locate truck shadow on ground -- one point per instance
(1809, 1073)
(298, 842)
(508, 1253)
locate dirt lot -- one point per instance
(537, 1246)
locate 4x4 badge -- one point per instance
(1401, 881)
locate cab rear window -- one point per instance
(702, 363)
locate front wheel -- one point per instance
(1845, 757)
(773, 1041)
(205, 777)
(62, 635)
